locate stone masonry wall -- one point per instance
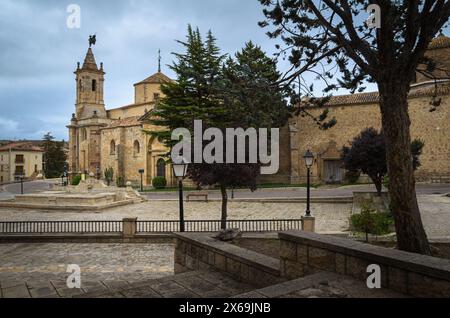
(412, 274)
(431, 127)
(202, 252)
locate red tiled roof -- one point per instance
(126, 122)
(439, 42)
(21, 146)
(157, 78)
(373, 97)
(132, 106)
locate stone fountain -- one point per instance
(89, 195)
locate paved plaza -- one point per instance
(39, 270)
(330, 217)
(146, 270)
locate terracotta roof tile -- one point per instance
(439, 42)
(21, 146)
(157, 78)
(373, 97)
(126, 122)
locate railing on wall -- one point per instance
(215, 225)
(144, 227)
(60, 227)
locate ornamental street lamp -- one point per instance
(22, 175)
(180, 167)
(309, 160)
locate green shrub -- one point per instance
(120, 182)
(76, 180)
(371, 222)
(109, 175)
(352, 177)
(386, 181)
(159, 183)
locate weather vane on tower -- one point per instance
(92, 39)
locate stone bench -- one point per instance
(197, 195)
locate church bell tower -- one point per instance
(90, 81)
(90, 116)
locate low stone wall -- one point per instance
(416, 275)
(442, 247)
(202, 252)
(379, 203)
(264, 243)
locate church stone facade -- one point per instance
(119, 139)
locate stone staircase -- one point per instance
(213, 284)
(195, 284)
(321, 285)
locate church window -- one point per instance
(112, 150)
(94, 85)
(156, 96)
(83, 134)
(136, 148)
(161, 168)
(80, 85)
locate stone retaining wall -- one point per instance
(416, 275)
(264, 243)
(201, 252)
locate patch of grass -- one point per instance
(372, 222)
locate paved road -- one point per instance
(347, 191)
(28, 187)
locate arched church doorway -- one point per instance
(161, 168)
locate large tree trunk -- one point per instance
(223, 223)
(411, 235)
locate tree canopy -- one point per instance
(333, 41)
(367, 153)
(224, 92)
(54, 157)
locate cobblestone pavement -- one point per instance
(323, 191)
(435, 211)
(39, 270)
(195, 284)
(330, 217)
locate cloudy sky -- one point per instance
(39, 52)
